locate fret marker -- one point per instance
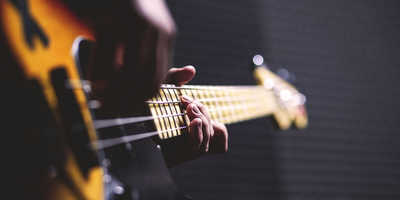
(269, 83)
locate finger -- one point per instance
(186, 100)
(193, 113)
(179, 76)
(196, 137)
(219, 141)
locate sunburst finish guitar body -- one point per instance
(41, 34)
(64, 155)
(43, 39)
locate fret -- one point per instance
(230, 111)
(240, 115)
(195, 94)
(164, 121)
(185, 118)
(210, 104)
(153, 111)
(233, 113)
(239, 106)
(181, 121)
(246, 111)
(225, 120)
(231, 104)
(218, 113)
(231, 108)
(170, 110)
(176, 110)
(166, 112)
(201, 95)
(217, 94)
(161, 124)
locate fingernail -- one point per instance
(187, 98)
(189, 66)
(196, 110)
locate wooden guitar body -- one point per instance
(47, 138)
(41, 45)
(36, 60)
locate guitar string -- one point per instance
(171, 120)
(105, 143)
(160, 110)
(74, 84)
(101, 144)
(240, 90)
(212, 87)
(220, 99)
(105, 123)
(217, 104)
(243, 89)
(177, 107)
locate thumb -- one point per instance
(179, 76)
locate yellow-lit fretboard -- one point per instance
(226, 104)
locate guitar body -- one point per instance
(46, 140)
(36, 61)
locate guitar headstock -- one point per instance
(290, 103)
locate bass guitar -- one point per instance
(53, 145)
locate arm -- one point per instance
(133, 52)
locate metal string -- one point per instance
(105, 143)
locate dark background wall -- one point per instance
(346, 55)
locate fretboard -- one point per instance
(226, 104)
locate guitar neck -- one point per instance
(226, 104)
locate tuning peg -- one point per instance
(286, 75)
(258, 61)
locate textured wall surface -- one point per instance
(346, 56)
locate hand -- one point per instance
(132, 54)
(206, 135)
